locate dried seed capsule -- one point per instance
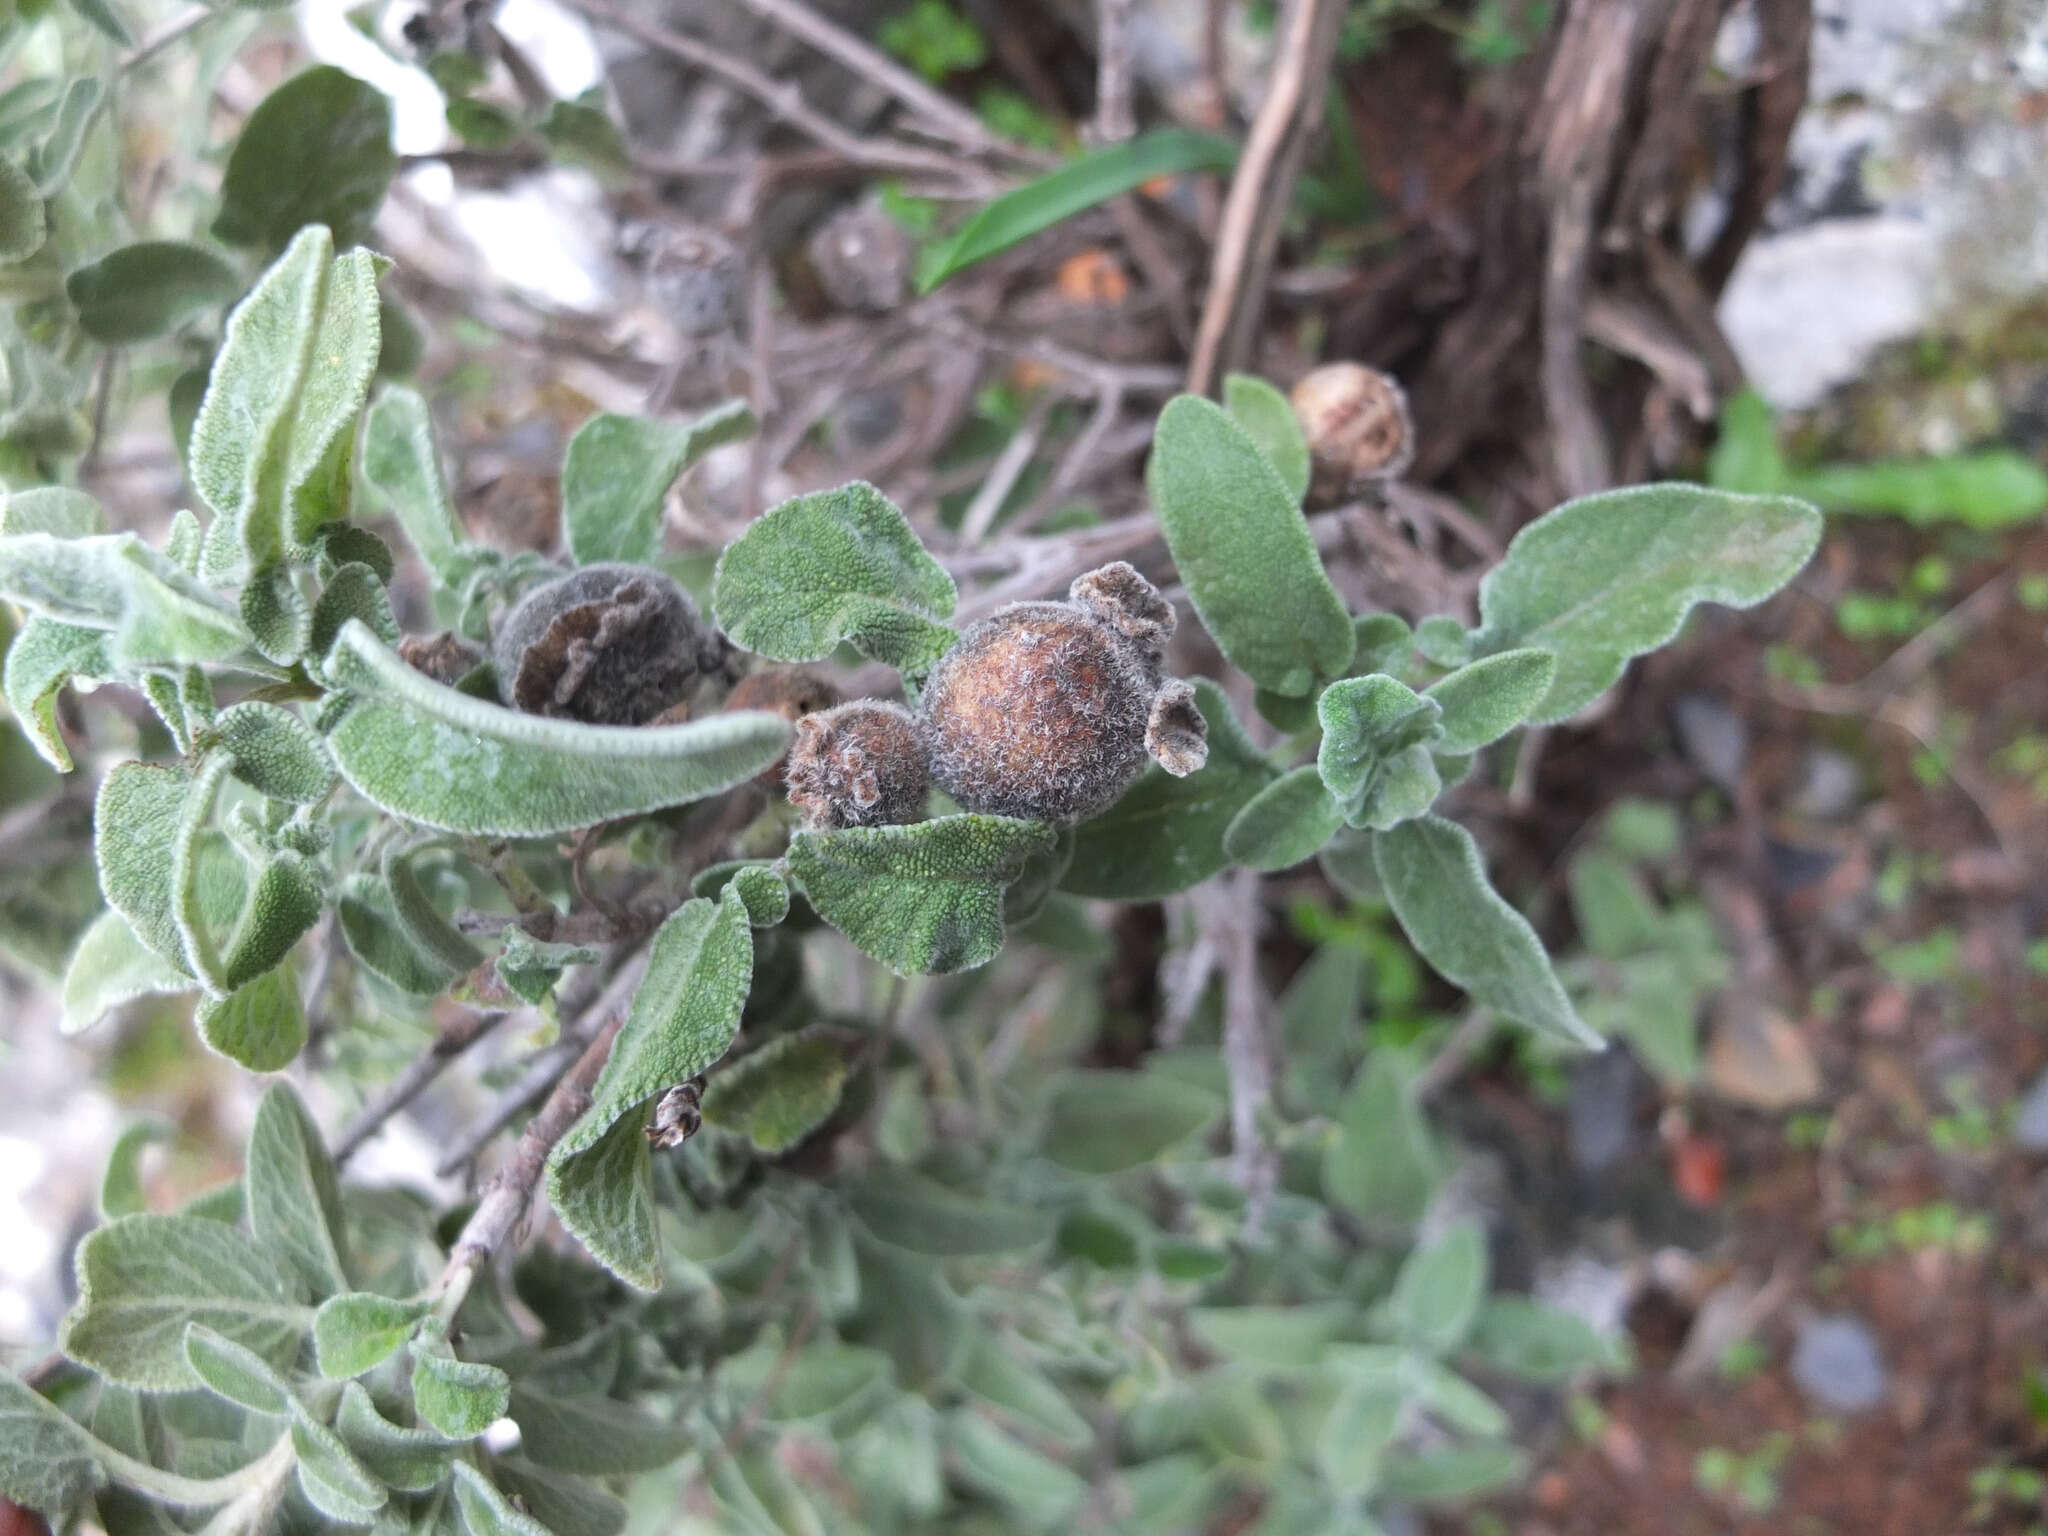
(606, 644)
(858, 765)
(1047, 711)
(791, 692)
(445, 657)
(678, 1114)
(862, 258)
(1357, 425)
(694, 275)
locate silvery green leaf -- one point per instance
(924, 899)
(422, 923)
(316, 151)
(531, 967)
(135, 824)
(103, 15)
(1269, 418)
(353, 592)
(1456, 1401)
(1443, 641)
(1284, 823)
(779, 1094)
(841, 565)
(111, 967)
(53, 160)
(47, 1460)
(278, 617)
(1605, 578)
(234, 1372)
(121, 1183)
(829, 1384)
(1437, 886)
(462, 1398)
(1451, 1473)
(925, 1216)
(561, 1501)
(1244, 550)
(410, 1460)
(487, 1512)
(1354, 1436)
(1285, 714)
(1105, 1122)
(143, 1278)
(682, 1019)
(185, 540)
(1404, 786)
(293, 1195)
(46, 655)
(447, 760)
(275, 752)
(1039, 1492)
(1346, 860)
(400, 460)
(1384, 1164)
(618, 471)
(24, 224)
(1529, 1341)
(996, 1372)
(592, 1434)
(1438, 1291)
(56, 509)
(1484, 700)
(260, 1025)
(1368, 723)
(149, 289)
(1282, 1338)
(1382, 642)
(160, 616)
(764, 892)
(370, 923)
(358, 1330)
(1166, 834)
(332, 1479)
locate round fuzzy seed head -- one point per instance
(791, 692)
(606, 645)
(694, 275)
(862, 258)
(858, 765)
(1129, 604)
(1357, 425)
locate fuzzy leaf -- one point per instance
(285, 901)
(487, 1512)
(424, 927)
(400, 460)
(1282, 1338)
(111, 967)
(462, 1398)
(44, 656)
(1106, 1122)
(354, 593)
(1267, 416)
(1166, 834)
(1438, 1291)
(1437, 885)
(293, 1195)
(160, 616)
(683, 1018)
(781, 1093)
(560, 1501)
(121, 1183)
(1529, 1341)
(1484, 700)
(330, 1477)
(925, 1216)
(1244, 550)
(410, 1460)
(531, 967)
(1450, 1473)
(1039, 1493)
(924, 899)
(260, 1025)
(841, 565)
(1384, 1165)
(143, 291)
(317, 150)
(1372, 758)
(592, 1435)
(764, 892)
(24, 225)
(143, 1279)
(369, 922)
(1284, 823)
(1608, 577)
(55, 509)
(356, 1331)
(135, 824)
(47, 1460)
(232, 1371)
(448, 760)
(1442, 641)
(275, 752)
(277, 615)
(618, 471)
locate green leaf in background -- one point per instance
(487, 1512)
(925, 1216)
(410, 1460)
(1443, 641)
(369, 921)
(1484, 700)
(1074, 188)
(925, 899)
(1381, 643)
(356, 1331)
(421, 921)
(1284, 823)
(1039, 1493)
(102, 14)
(1374, 757)
(765, 893)
(121, 1184)
(149, 289)
(997, 1373)
(1993, 489)
(111, 967)
(840, 565)
(1605, 578)
(1361, 1424)
(1166, 834)
(1532, 1342)
(333, 1481)
(580, 133)
(1282, 1338)
(47, 1460)
(592, 1435)
(292, 1193)
(1451, 1473)
(1267, 416)
(52, 161)
(159, 615)
(1384, 1165)
(1437, 886)
(54, 509)
(1438, 1291)
(447, 760)
(277, 615)
(45, 656)
(1745, 456)
(462, 1398)
(1106, 1122)
(531, 967)
(401, 461)
(24, 225)
(230, 1371)
(1244, 550)
(143, 1279)
(781, 1093)
(260, 1025)
(317, 150)
(618, 471)
(683, 1018)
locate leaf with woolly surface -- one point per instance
(45, 656)
(778, 1095)
(56, 509)
(110, 967)
(260, 1025)
(149, 289)
(234, 1373)
(447, 760)
(1269, 418)
(487, 1512)
(462, 1398)
(1106, 1122)
(159, 615)
(1484, 700)
(401, 460)
(604, 1195)
(592, 1435)
(275, 752)
(24, 223)
(330, 1477)
(316, 151)
(925, 1216)
(410, 1460)
(47, 1460)
(1284, 823)
(369, 922)
(561, 1501)
(356, 1331)
(618, 472)
(294, 1195)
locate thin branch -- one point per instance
(1003, 475)
(1114, 121)
(415, 1079)
(1227, 915)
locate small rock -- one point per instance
(1830, 785)
(2030, 1117)
(1714, 738)
(1759, 1057)
(1837, 1364)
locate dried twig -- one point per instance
(1114, 120)
(1227, 914)
(415, 1079)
